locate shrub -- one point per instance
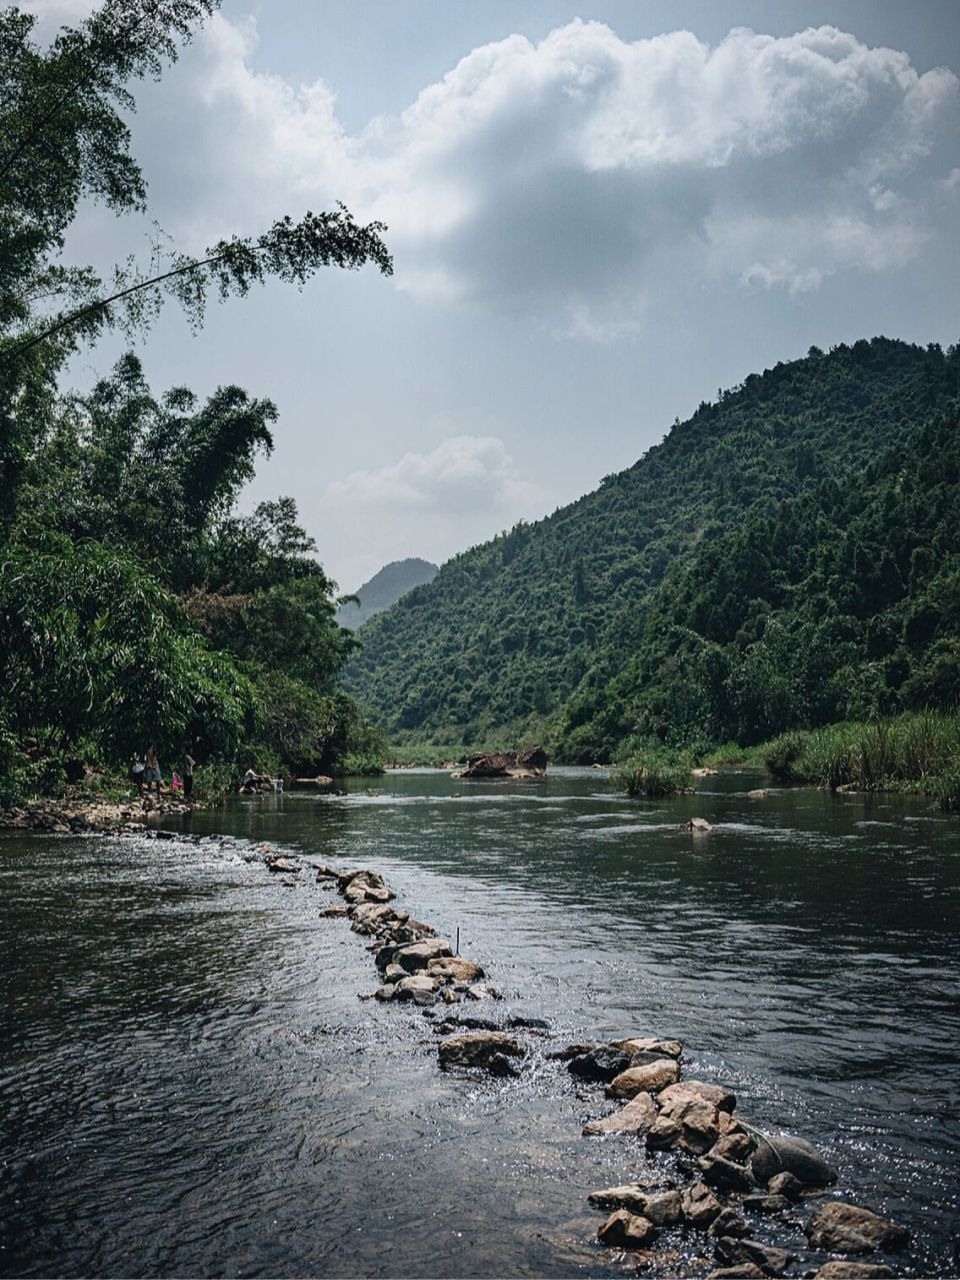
(655, 774)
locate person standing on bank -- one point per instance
(153, 770)
(188, 767)
(136, 772)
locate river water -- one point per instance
(189, 1084)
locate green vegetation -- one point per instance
(136, 606)
(908, 752)
(655, 773)
(786, 558)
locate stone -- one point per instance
(484, 1050)
(324, 872)
(274, 861)
(334, 913)
(785, 1184)
(625, 1230)
(663, 1208)
(636, 1117)
(454, 969)
(631, 1196)
(698, 824)
(571, 1051)
(700, 1206)
(417, 955)
(742, 1271)
(506, 764)
(758, 794)
(371, 917)
(733, 1146)
(721, 1098)
(791, 1155)
(663, 1134)
(841, 1269)
(644, 1079)
(599, 1064)
(731, 1252)
(479, 991)
(725, 1175)
(847, 1228)
(387, 992)
(729, 1223)
(415, 986)
(699, 1125)
(649, 1044)
(450, 997)
(360, 874)
(766, 1204)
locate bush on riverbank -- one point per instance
(919, 751)
(653, 774)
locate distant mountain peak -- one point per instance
(385, 588)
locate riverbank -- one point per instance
(82, 815)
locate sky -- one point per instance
(600, 214)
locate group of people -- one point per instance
(145, 771)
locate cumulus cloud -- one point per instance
(463, 475)
(579, 177)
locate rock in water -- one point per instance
(599, 1064)
(721, 1098)
(636, 1117)
(725, 1175)
(648, 1044)
(846, 1228)
(507, 764)
(785, 1184)
(700, 1206)
(625, 1230)
(454, 969)
(731, 1252)
(486, 1050)
(843, 1270)
(742, 1271)
(646, 1079)
(791, 1155)
(417, 955)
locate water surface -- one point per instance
(189, 1084)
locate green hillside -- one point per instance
(385, 588)
(545, 628)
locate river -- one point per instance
(189, 1084)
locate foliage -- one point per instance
(652, 773)
(136, 606)
(921, 748)
(737, 580)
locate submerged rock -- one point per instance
(742, 1271)
(637, 1117)
(484, 1050)
(791, 1155)
(729, 1223)
(650, 1044)
(846, 1228)
(273, 861)
(333, 913)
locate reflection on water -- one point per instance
(189, 1085)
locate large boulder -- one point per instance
(506, 764)
(484, 1050)
(684, 1090)
(791, 1155)
(636, 1117)
(644, 1079)
(599, 1064)
(625, 1230)
(846, 1228)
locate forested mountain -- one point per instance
(549, 628)
(385, 588)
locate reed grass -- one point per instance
(915, 751)
(653, 774)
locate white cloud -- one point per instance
(464, 474)
(572, 179)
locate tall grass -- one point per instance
(651, 773)
(914, 751)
